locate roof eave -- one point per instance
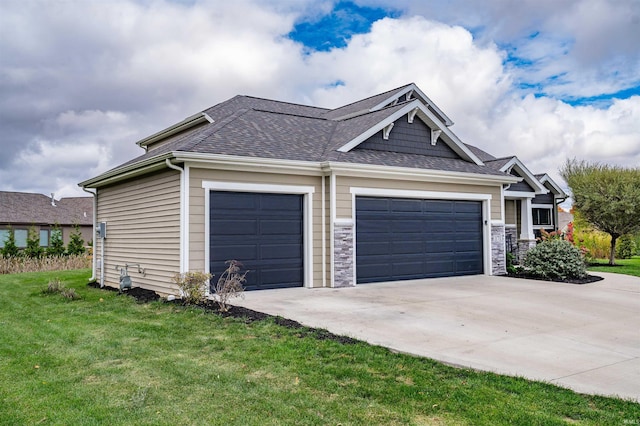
(126, 172)
(185, 124)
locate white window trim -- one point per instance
(547, 207)
(429, 195)
(306, 191)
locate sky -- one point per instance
(82, 80)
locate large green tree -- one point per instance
(607, 196)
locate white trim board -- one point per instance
(405, 193)
(306, 191)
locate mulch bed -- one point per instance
(587, 280)
(247, 315)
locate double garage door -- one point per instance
(396, 238)
(401, 239)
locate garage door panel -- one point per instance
(466, 246)
(235, 227)
(405, 205)
(262, 231)
(279, 251)
(374, 204)
(280, 227)
(373, 248)
(417, 238)
(438, 206)
(407, 247)
(467, 207)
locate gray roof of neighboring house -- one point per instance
(255, 127)
(28, 208)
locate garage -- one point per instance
(263, 231)
(403, 238)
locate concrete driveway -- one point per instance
(584, 337)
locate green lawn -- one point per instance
(103, 359)
(623, 266)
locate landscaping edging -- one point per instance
(247, 315)
(587, 280)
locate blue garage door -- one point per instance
(402, 239)
(263, 231)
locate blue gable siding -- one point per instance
(409, 138)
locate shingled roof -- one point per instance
(37, 209)
(261, 128)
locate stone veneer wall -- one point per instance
(498, 259)
(343, 256)
(511, 230)
(523, 248)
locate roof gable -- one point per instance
(551, 185)
(409, 138)
(413, 109)
(511, 164)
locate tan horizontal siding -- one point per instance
(344, 198)
(143, 226)
(510, 212)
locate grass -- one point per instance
(103, 359)
(623, 266)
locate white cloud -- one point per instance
(81, 81)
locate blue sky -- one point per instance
(334, 28)
(82, 81)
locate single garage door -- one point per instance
(262, 231)
(401, 239)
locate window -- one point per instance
(44, 238)
(21, 237)
(4, 234)
(541, 216)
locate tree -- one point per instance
(56, 245)
(76, 243)
(33, 249)
(608, 197)
(10, 249)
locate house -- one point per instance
(376, 190)
(21, 210)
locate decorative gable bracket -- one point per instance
(412, 115)
(409, 95)
(435, 134)
(386, 130)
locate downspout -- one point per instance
(94, 257)
(556, 202)
(324, 235)
(182, 218)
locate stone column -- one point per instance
(343, 273)
(498, 259)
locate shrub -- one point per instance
(192, 285)
(56, 244)
(555, 259)
(230, 284)
(33, 249)
(625, 247)
(76, 243)
(54, 286)
(10, 249)
(70, 293)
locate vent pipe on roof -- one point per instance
(53, 200)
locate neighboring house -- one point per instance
(377, 190)
(21, 210)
